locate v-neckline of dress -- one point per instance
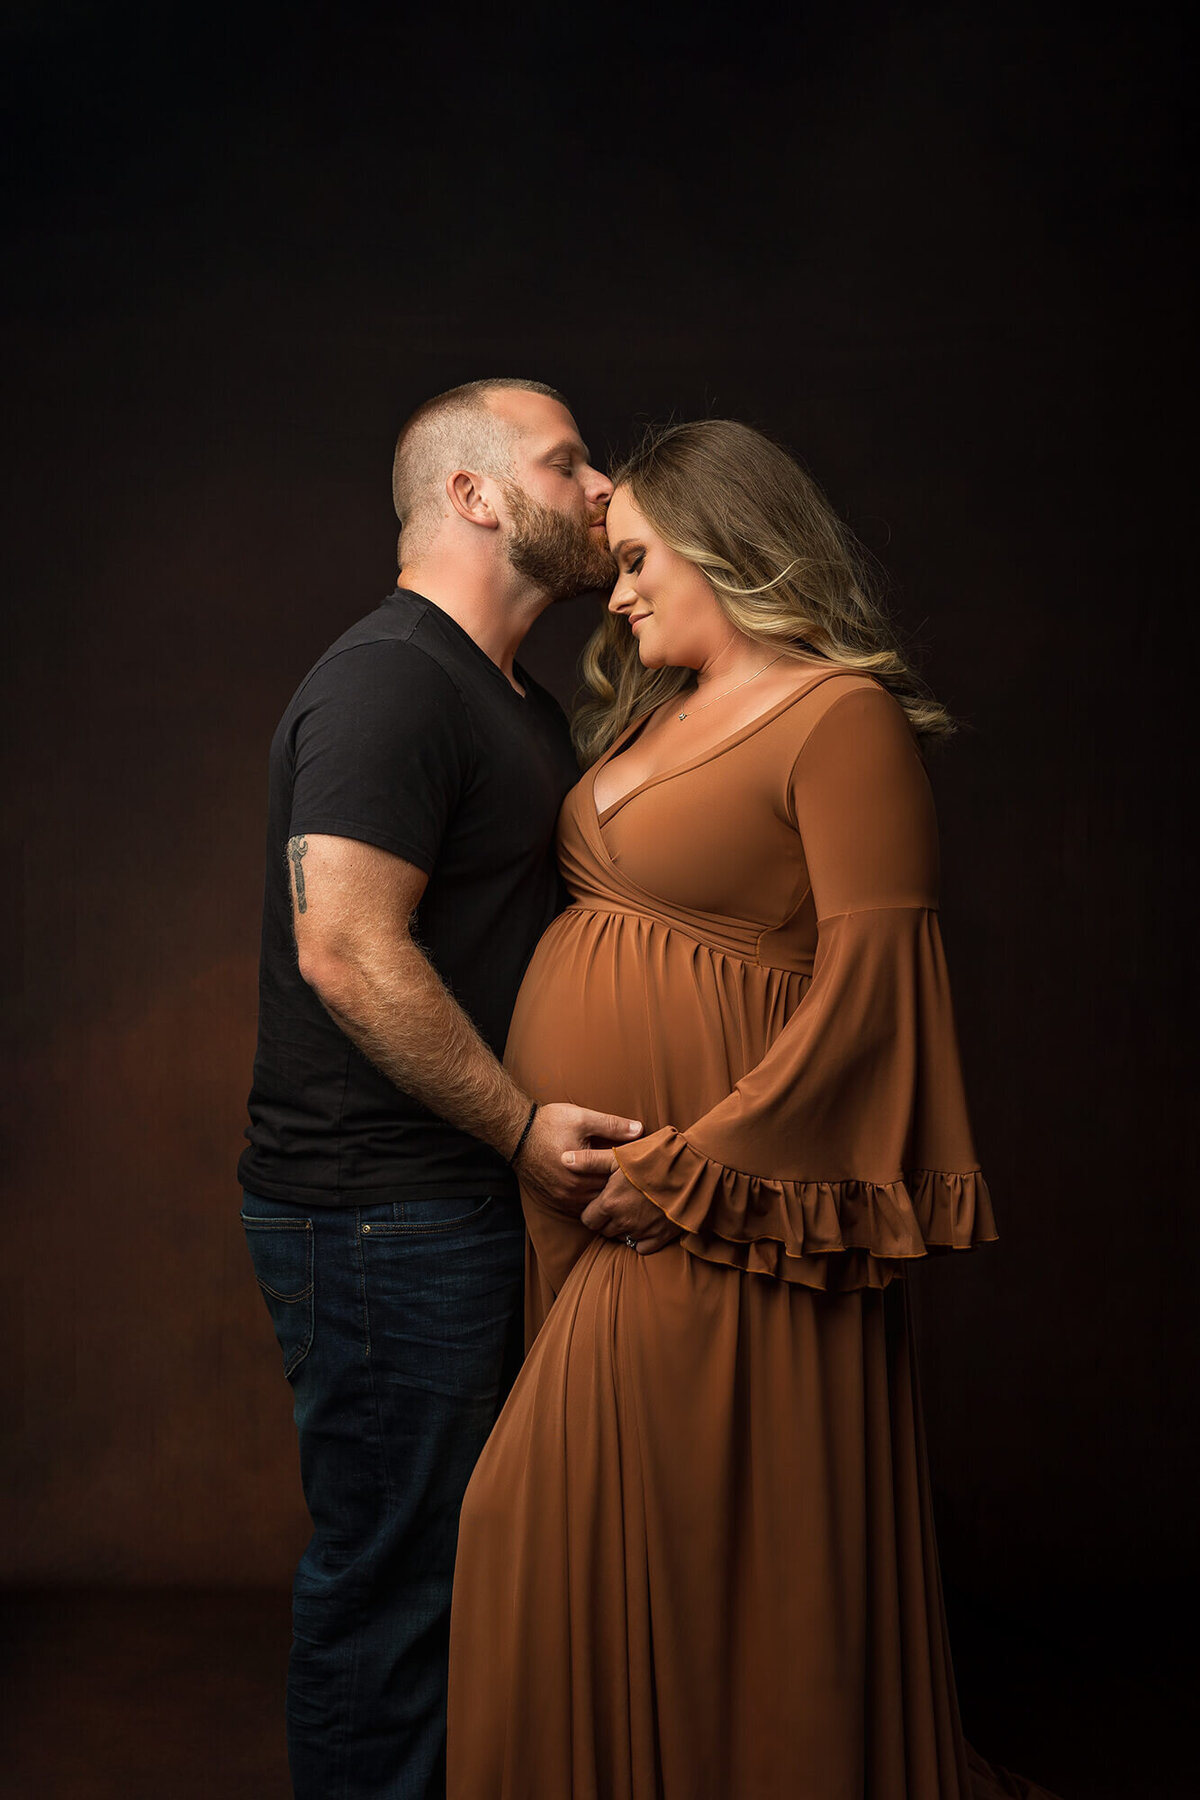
(695, 762)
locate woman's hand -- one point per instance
(622, 1211)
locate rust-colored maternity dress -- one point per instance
(696, 1558)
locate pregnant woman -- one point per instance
(697, 1557)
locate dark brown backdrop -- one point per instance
(937, 254)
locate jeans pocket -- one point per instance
(282, 1253)
(428, 1218)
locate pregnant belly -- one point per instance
(622, 1014)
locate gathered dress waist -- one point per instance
(746, 946)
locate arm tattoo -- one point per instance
(297, 850)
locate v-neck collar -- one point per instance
(695, 762)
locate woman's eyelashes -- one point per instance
(634, 566)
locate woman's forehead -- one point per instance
(621, 507)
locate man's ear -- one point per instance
(466, 496)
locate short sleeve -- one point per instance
(382, 750)
(847, 1150)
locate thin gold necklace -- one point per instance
(734, 688)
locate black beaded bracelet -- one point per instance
(521, 1140)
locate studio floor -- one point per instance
(177, 1695)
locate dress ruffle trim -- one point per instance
(835, 1235)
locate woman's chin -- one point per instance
(648, 658)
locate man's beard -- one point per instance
(559, 554)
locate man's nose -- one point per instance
(600, 488)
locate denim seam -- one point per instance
(289, 1299)
(351, 1712)
(424, 1230)
(366, 1306)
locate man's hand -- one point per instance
(621, 1210)
(559, 1132)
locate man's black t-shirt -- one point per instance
(407, 736)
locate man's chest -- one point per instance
(510, 798)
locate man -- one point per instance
(415, 781)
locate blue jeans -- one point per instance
(401, 1332)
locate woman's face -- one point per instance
(669, 606)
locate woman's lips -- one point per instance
(636, 620)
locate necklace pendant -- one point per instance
(683, 716)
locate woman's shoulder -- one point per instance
(835, 688)
(843, 715)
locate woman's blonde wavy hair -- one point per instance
(784, 569)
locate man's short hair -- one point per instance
(454, 430)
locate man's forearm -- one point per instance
(404, 1020)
